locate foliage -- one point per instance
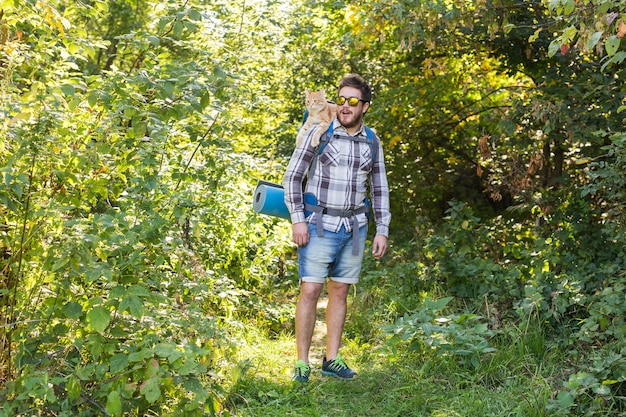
(117, 184)
(519, 378)
(462, 336)
(590, 28)
(537, 274)
(133, 133)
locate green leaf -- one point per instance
(602, 390)
(438, 304)
(169, 351)
(139, 291)
(152, 369)
(178, 29)
(72, 310)
(60, 263)
(535, 35)
(73, 104)
(593, 40)
(150, 390)
(554, 47)
(154, 40)
(139, 127)
(92, 99)
(140, 355)
(119, 332)
(117, 292)
(73, 388)
(612, 45)
(553, 4)
(615, 59)
(8, 202)
(85, 373)
(136, 306)
(565, 399)
(97, 271)
(68, 90)
(99, 319)
(114, 403)
(194, 14)
(118, 362)
(205, 100)
(94, 344)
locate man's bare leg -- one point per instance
(335, 317)
(306, 310)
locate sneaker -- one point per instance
(337, 368)
(302, 371)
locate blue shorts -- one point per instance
(331, 257)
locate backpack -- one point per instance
(269, 197)
(310, 202)
(371, 138)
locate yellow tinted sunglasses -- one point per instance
(352, 101)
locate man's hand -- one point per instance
(379, 246)
(300, 233)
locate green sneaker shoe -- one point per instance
(337, 368)
(302, 371)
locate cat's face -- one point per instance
(315, 99)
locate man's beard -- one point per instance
(354, 120)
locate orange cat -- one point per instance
(321, 113)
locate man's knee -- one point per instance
(338, 290)
(310, 292)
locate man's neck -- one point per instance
(354, 130)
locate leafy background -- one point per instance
(135, 275)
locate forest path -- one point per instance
(318, 342)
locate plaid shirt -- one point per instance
(343, 174)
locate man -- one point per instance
(331, 234)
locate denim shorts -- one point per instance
(331, 256)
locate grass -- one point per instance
(524, 376)
(520, 379)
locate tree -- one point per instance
(127, 237)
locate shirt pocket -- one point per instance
(330, 155)
(365, 160)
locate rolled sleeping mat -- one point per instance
(269, 198)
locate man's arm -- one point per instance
(292, 183)
(379, 246)
(380, 203)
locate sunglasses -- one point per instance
(352, 101)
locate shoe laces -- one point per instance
(302, 368)
(338, 363)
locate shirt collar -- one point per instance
(339, 127)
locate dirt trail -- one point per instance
(318, 343)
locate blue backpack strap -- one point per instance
(329, 134)
(371, 138)
(311, 206)
(324, 141)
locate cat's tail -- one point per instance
(300, 137)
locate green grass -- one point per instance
(519, 379)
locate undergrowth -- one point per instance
(457, 324)
(512, 381)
